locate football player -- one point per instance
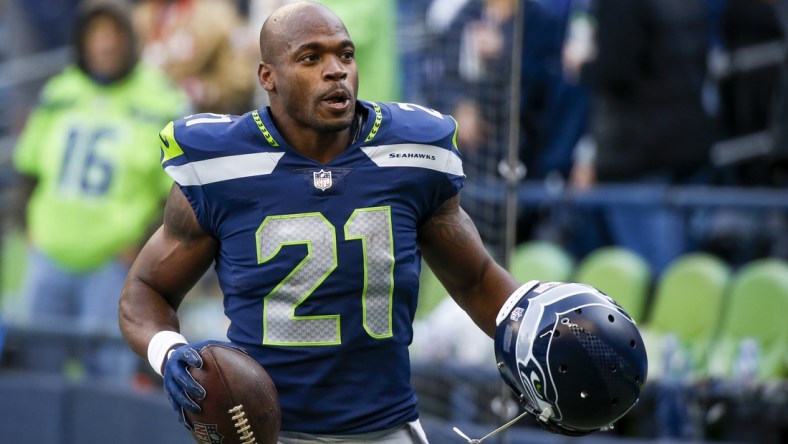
(316, 211)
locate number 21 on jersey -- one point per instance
(370, 226)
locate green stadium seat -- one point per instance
(754, 317)
(621, 274)
(542, 261)
(685, 314)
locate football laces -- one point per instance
(242, 426)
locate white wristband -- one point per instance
(159, 346)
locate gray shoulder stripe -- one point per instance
(415, 155)
(224, 168)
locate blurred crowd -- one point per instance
(660, 93)
(655, 92)
(647, 92)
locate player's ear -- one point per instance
(266, 76)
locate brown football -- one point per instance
(241, 404)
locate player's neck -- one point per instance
(321, 146)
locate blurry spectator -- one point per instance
(470, 76)
(555, 109)
(92, 182)
(748, 97)
(201, 44)
(646, 69)
(778, 159)
(780, 118)
(471, 71)
(553, 114)
(750, 104)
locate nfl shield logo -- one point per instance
(206, 433)
(517, 313)
(322, 179)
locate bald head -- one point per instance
(292, 20)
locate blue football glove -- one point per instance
(179, 385)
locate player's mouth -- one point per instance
(337, 100)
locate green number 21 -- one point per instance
(371, 226)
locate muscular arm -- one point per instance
(452, 248)
(169, 265)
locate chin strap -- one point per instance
(499, 429)
(543, 419)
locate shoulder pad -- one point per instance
(411, 123)
(202, 136)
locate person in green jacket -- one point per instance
(93, 186)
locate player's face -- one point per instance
(317, 78)
(105, 47)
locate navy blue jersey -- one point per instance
(319, 263)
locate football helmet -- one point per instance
(573, 357)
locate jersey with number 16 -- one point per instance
(100, 188)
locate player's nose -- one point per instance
(334, 69)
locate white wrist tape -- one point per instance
(160, 344)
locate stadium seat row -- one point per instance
(700, 319)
